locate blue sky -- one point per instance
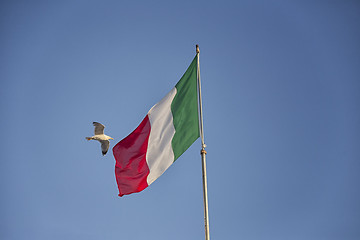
(281, 117)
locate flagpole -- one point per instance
(202, 152)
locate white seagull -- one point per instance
(101, 137)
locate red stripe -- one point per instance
(131, 169)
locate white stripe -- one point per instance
(160, 154)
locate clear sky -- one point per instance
(281, 96)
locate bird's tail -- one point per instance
(88, 138)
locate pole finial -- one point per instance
(197, 48)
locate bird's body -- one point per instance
(101, 137)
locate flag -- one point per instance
(169, 128)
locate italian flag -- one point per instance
(169, 128)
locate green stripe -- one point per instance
(184, 109)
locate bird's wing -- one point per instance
(99, 128)
(105, 146)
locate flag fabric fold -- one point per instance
(166, 132)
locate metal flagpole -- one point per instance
(203, 152)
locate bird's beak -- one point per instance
(112, 138)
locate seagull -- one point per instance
(101, 137)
